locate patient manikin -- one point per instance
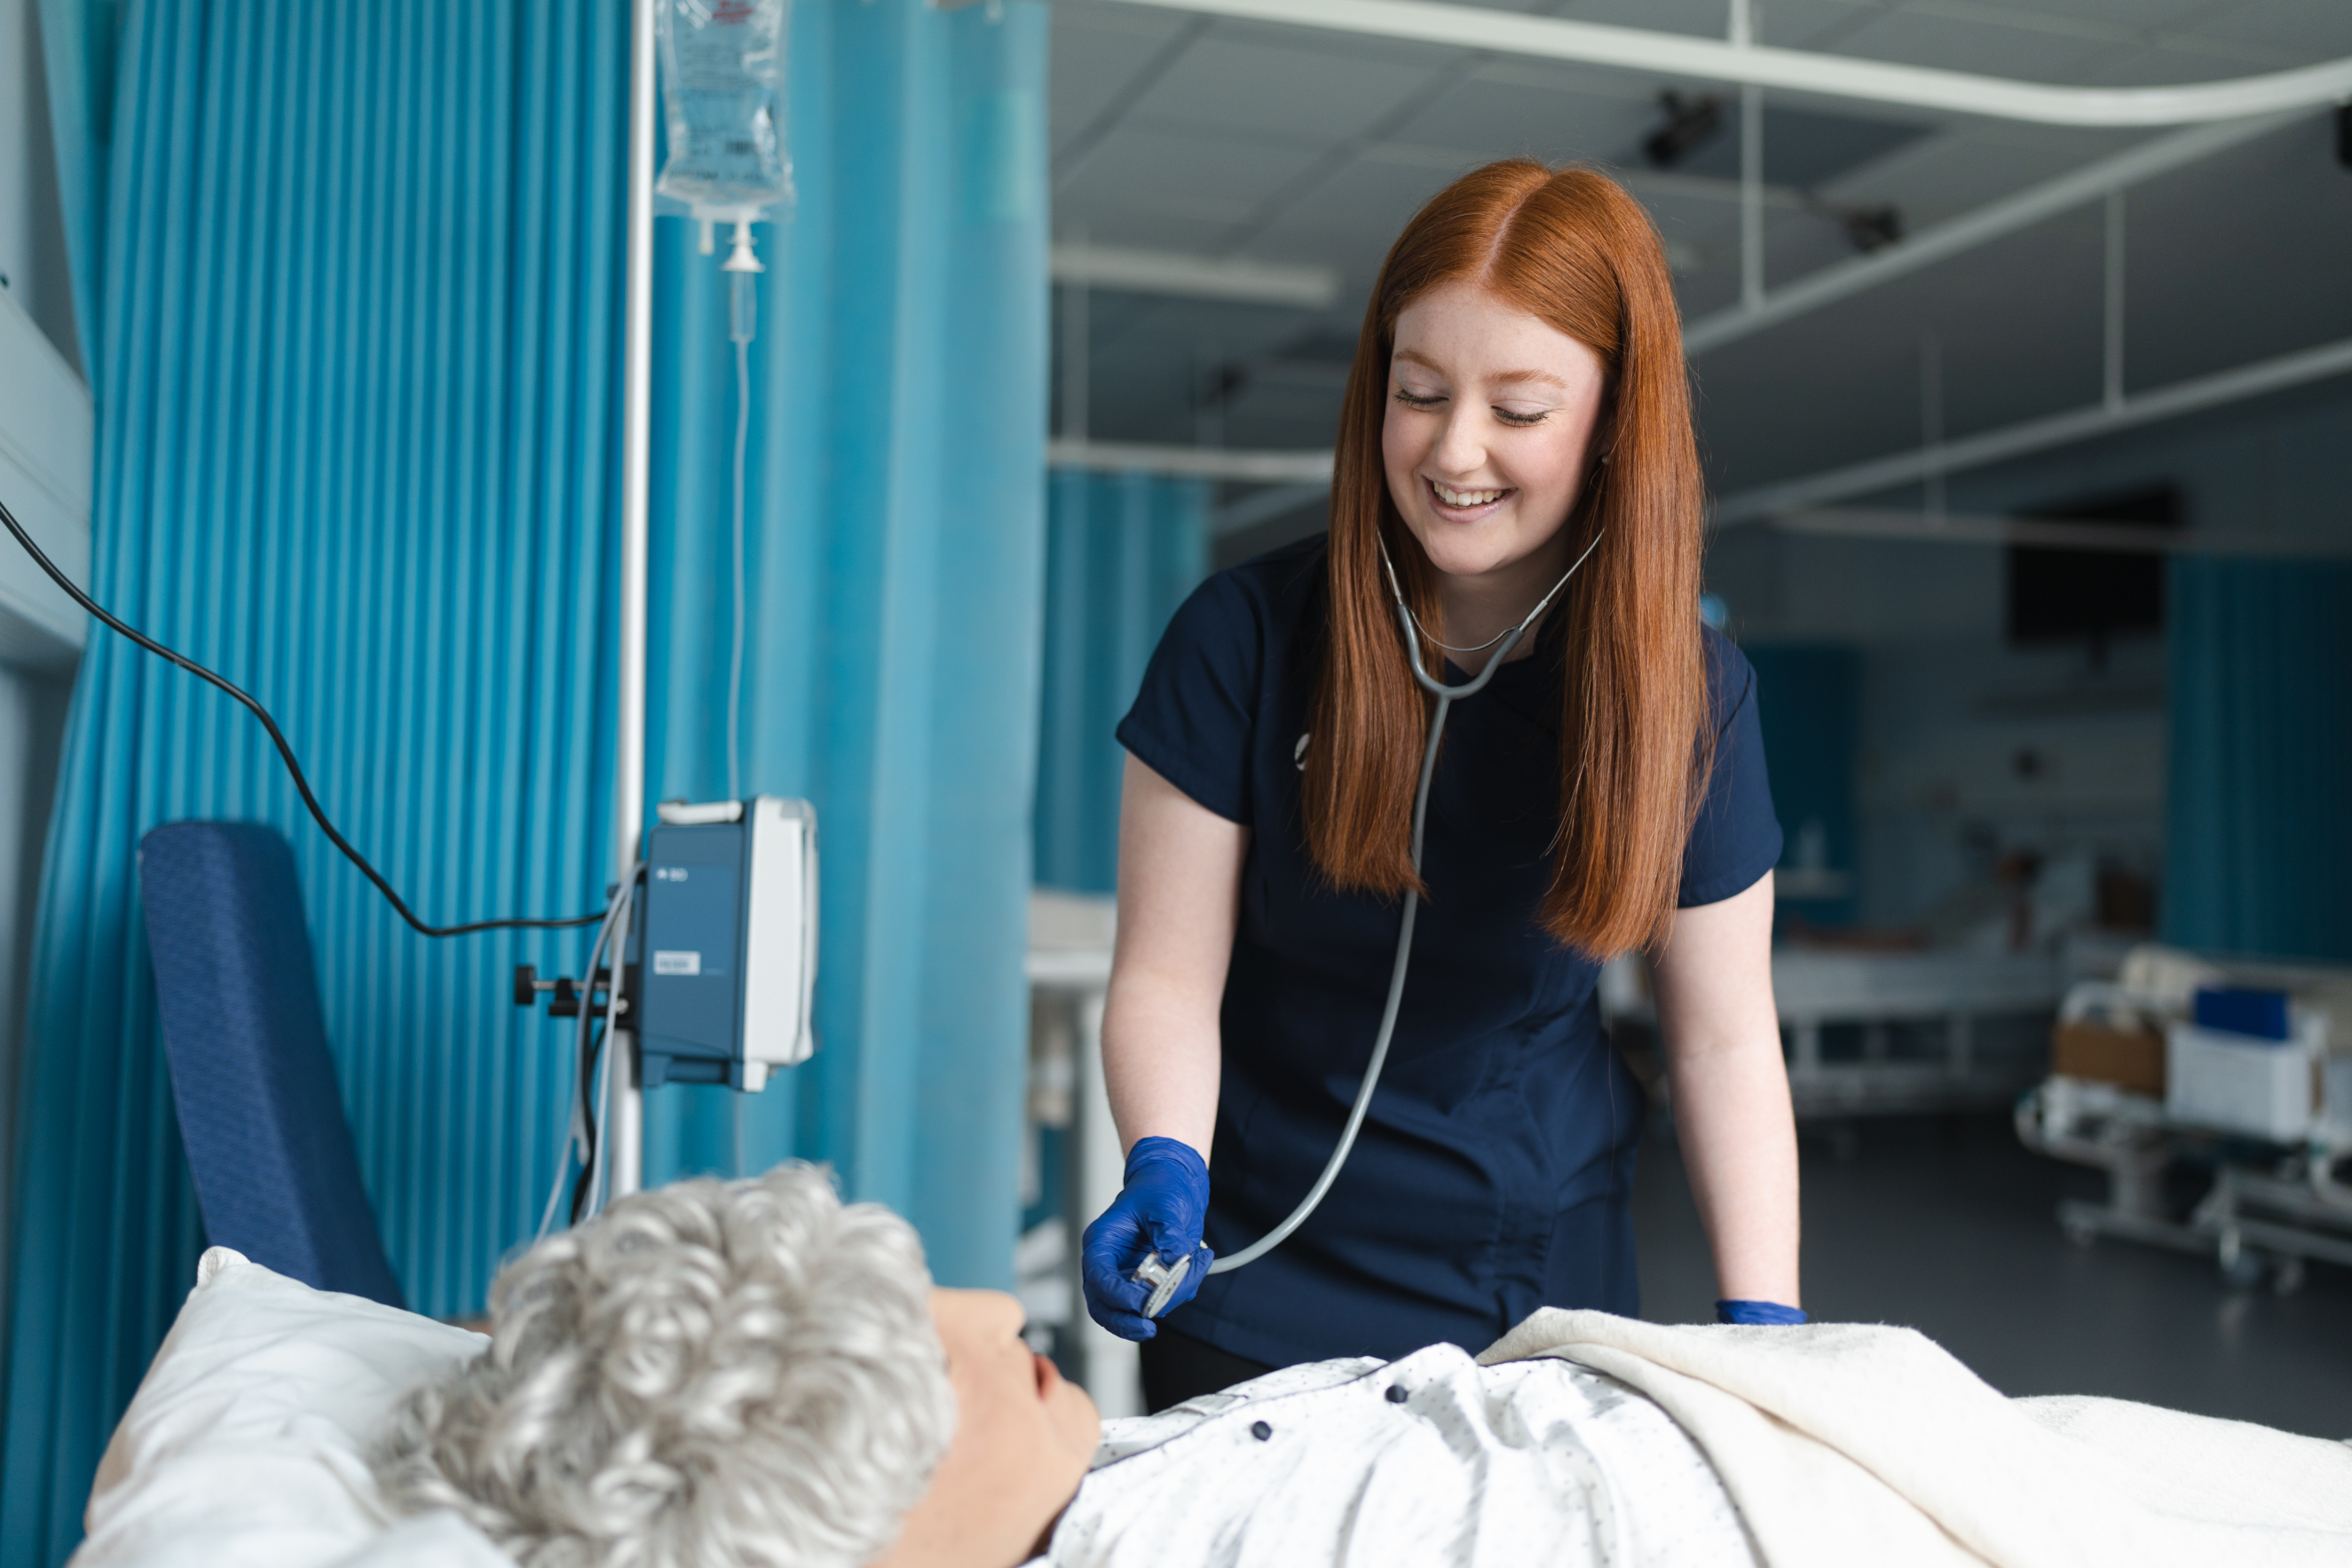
(752, 1373)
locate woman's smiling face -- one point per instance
(1490, 417)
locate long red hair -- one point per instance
(1569, 248)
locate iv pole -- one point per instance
(625, 1127)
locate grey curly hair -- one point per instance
(713, 1373)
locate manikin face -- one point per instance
(1490, 418)
(1023, 1439)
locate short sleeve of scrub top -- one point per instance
(1493, 1171)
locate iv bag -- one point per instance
(725, 61)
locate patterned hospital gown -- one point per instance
(1428, 1461)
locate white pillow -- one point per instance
(247, 1444)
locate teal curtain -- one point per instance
(1123, 551)
(1809, 703)
(359, 438)
(2258, 846)
(897, 467)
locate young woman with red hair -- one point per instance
(1519, 414)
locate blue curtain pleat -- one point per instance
(359, 450)
(2258, 844)
(1123, 551)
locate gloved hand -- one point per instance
(1159, 1210)
(1756, 1312)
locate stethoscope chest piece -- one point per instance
(1164, 1279)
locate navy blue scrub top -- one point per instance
(1493, 1172)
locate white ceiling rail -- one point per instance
(1196, 276)
(2037, 436)
(2050, 533)
(1994, 220)
(1834, 76)
(1242, 466)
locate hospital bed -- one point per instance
(1946, 995)
(2276, 1199)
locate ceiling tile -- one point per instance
(1707, 19)
(1815, 23)
(1804, 147)
(1139, 166)
(1592, 82)
(1947, 175)
(1333, 43)
(1350, 220)
(2319, 30)
(2119, 13)
(1498, 119)
(2154, 67)
(1910, 37)
(1305, 99)
(1093, 63)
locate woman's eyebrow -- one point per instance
(1508, 376)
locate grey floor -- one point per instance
(1945, 1224)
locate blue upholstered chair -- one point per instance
(276, 1176)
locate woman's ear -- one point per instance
(1603, 441)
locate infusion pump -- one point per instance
(725, 952)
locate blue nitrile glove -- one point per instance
(1758, 1312)
(1159, 1210)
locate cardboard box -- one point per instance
(2130, 1058)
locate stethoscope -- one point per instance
(1165, 1278)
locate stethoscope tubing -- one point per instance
(1446, 695)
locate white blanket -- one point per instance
(1856, 1444)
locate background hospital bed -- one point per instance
(2275, 1198)
(1942, 996)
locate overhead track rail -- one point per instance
(2053, 533)
(1995, 220)
(1794, 71)
(2106, 418)
(1240, 465)
(1237, 278)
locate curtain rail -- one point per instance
(1798, 70)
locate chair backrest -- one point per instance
(277, 1176)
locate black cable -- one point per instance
(582, 1086)
(286, 752)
